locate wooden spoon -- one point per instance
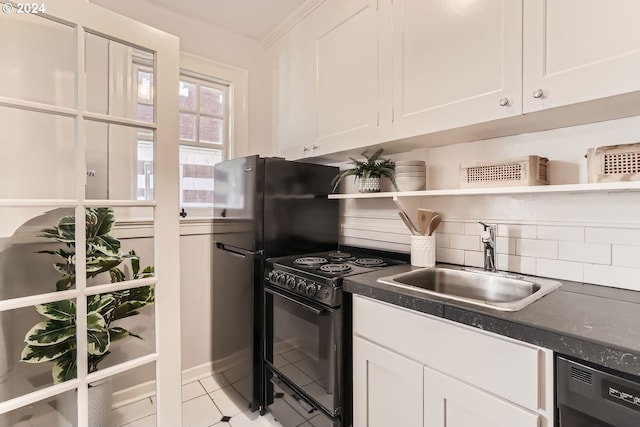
(424, 219)
(408, 223)
(435, 222)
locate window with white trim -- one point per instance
(204, 138)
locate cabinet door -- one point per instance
(579, 50)
(346, 85)
(455, 63)
(451, 403)
(293, 102)
(387, 388)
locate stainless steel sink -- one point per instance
(499, 291)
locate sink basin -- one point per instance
(499, 291)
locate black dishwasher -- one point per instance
(590, 397)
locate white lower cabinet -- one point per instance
(412, 369)
(452, 403)
(388, 388)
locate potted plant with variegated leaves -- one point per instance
(368, 172)
(54, 339)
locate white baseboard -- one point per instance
(148, 389)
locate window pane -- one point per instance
(142, 323)
(24, 269)
(115, 82)
(125, 252)
(145, 87)
(187, 127)
(138, 409)
(211, 130)
(145, 170)
(20, 371)
(187, 95)
(38, 152)
(38, 60)
(114, 165)
(57, 411)
(211, 101)
(196, 176)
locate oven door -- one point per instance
(303, 346)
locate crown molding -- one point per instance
(290, 21)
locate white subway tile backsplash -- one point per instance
(506, 245)
(519, 231)
(464, 241)
(560, 269)
(595, 253)
(601, 255)
(451, 227)
(619, 277)
(516, 264)
(626, 256)
(620, 236)
(570, 234)
(442, 240)
(474, 259)
(537, 248)
(473, 228)
(450, 256)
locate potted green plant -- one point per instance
(53, 340)
(368, 172)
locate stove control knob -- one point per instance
(291, 282)
(301, 285)
(279, 278)
(311, 289)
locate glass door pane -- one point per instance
(38, 155)
(38, 59)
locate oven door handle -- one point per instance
(307, 306)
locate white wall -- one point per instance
(217, 44)
(593, 238)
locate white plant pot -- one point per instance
(369, 185)
(100, 401)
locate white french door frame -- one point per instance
(85, 17)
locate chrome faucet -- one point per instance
(488, 237)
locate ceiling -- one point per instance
(252, 18)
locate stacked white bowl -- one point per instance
(411, 175)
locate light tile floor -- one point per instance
(205, 402)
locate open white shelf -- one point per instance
(551, 189)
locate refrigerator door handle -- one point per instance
(235, 251)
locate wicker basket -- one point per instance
(530, 170)
(614, 163)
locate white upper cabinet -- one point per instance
(293, 124)
(346, 80)
(455, 63)
(356, 73)
(579, 50)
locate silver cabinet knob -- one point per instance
(538, 93)
(314, 146)
(305, 148)
(504, 102)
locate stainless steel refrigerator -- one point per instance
(263, 207)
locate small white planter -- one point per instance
(100, 400)
(369, 185)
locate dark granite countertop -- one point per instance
(594, 323)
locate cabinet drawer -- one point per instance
(500, 365)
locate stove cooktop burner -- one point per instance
(336, 268)
(339, 256)
(310, 261)
(370, 262)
